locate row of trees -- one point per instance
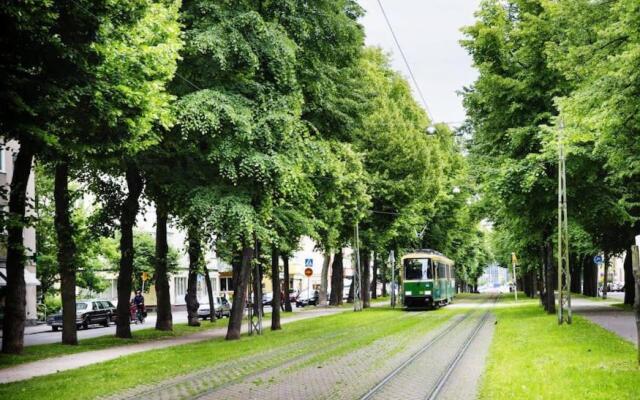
(248, 124)
(551, 68)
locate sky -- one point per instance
(428, 31)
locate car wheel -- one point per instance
(78, 327)
(54, 328)
(106, 323)
(85, 325)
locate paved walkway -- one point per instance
(614, 319)
(72, 361)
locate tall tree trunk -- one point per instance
(164, 320)
(352, 288)
(629, 282)
(324, 278)
(337, 279)
(275, 283)
(240, 293)
(15, 301)
(590, 285)
(66, 254)
(129, 211)
(212, 304)
(286, 288)
(374, 278)
(540, 282)
(576, 272)
(549, 278)
(195, 257)
(365, 293)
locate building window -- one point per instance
(181, 288)
(226, 284)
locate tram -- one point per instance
(428, 279)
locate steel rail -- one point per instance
(415, 355)
(442, 380)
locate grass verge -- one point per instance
(42, 351)
(159, 365)
(532, 357)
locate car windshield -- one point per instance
(81, 306)
(418, 269)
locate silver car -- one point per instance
(222, 307)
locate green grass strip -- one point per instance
(531, 357)
(42, 351)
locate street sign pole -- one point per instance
(564, 274)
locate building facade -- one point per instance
(8, 152)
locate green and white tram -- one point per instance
(427, 279)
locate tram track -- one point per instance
(437, 387)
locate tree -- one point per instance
(239, 113)
(400, 161)
(136, 111)
(46, 63)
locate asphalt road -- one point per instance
(42, 334)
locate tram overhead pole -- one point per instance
(564, 273)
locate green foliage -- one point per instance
(143, 259)
(533, 57)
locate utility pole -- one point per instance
(357, 301)
(254, 298)
(392, 261)
(564, 274)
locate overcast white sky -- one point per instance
(428, 31)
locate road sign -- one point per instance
(145, 276)
(308, 262)
(308, 272)
(597, 259)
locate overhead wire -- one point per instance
(406, 62)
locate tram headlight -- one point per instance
(427, 292)
(407, 293)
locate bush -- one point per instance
(52, 305)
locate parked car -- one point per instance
(307, 298)
(88, 312)
(222, 306)
(293, 295)
(267, 299)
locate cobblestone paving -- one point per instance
(191, 385)
(317, 369)
(345, 377)
(420, 377)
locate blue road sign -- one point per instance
(597, 259)
(308, 262)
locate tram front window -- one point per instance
(418, 269)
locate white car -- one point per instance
(221, 304)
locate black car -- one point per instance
(307, 298)
(88, 312)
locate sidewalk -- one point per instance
(72, 361)
(610, 318)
